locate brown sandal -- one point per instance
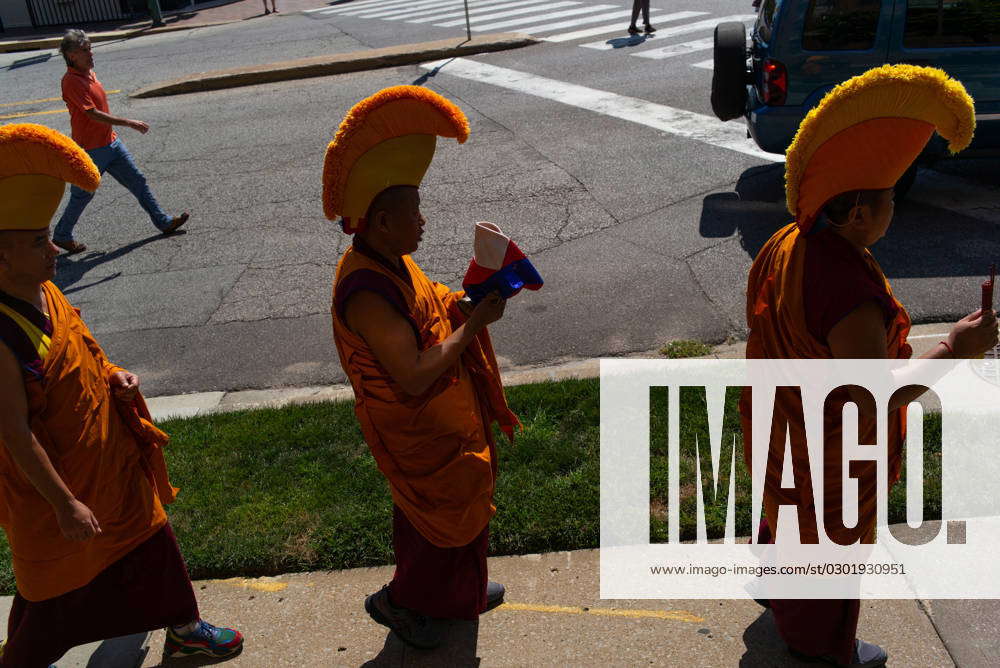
(70, 246)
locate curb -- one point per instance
(319, 66)
(922, 337)
(53, 42)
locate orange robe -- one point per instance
(783, 280)
(436, 449)
(107, 452)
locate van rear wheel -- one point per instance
(729, 77)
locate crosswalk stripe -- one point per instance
(543, 17)
(678, 122)
(364, 6)
(585, 20)
(425, 5)
(705, 64)
(512, 12)
(678, 49)
(601, 30)
(698, 26)
(472, 12)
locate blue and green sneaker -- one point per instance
(205, 639)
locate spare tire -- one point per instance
(729, 78)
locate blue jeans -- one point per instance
(116, 161)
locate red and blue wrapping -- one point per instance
(515, 274)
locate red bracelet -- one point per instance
(949, 349)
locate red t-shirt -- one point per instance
(82, 91)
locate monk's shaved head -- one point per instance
(389, 200)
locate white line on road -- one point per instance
(363, 6)
(591, 32)
(678, 122)
(697, 26)
(576, 11)
(512, 12)
(585, 20)
(705, 64)
(425, 6)
(481, 7)
(678, 49)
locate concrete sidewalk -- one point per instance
(552, 617)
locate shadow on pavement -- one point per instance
(71, 268)
(764, 646)
(121, 652)
(923, 241)
(631, 40)
(458, 648)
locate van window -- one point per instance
(841, 25)
(939, 23)
(765, 19)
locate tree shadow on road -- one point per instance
(923, 241)
(70, 269)
(458, 648)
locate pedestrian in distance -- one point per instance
(426, 381)
(93, 129)
(644, 6)
(274, 7)
(83, 480)
(816, 292)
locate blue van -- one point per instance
(800, 49)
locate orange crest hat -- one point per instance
(385, 140)
(867, 132)
(36, 163)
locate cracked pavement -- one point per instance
(641, 237)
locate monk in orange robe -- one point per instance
(425, 378)
(816, 292)
(83, 481)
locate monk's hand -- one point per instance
(488, 311)
(77, 522)
(124, 385)
(974, 334)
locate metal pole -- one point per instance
(468, 28)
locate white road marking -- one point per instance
(576, 11)
(512, 12)
(591, 32)
(678, 49)
(678, 122)
(481, 7)
(705, 64)
(585, 20)
(363, 6)
(697, 26)
(425, 6)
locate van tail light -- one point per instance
(775, 83)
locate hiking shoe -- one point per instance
(205, 639)
(175, 223)
(494, 595)
(650, 29)
(412, 627)
(866, 655)
(632, 30)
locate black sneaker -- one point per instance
(494, 595)
(650, 29)
(412, 627)
(632, 30)
(866, 655)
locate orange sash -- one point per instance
(436, 449)
(108, 453)
(776, 317)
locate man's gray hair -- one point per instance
(72, 40)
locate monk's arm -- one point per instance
(861, 334)
(75, 519)
(390, 338)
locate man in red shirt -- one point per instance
(92, 128)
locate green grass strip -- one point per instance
(289, 489)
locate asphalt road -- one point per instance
(643, 235)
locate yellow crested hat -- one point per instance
(36, 162)
(385, 140)
(867, 132)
